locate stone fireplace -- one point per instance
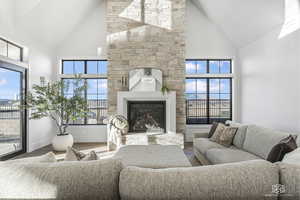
(165, 105)
(146, 116)
(147, 34)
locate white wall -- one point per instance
(205, 40)
(83, 43)
(270, 83)
(89, 35)
(40, 132)
(7, 18)
(40, 63)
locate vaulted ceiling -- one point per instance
(51, 21)
(244, 21)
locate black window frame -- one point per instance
(15, 45)
(80, 60)
(208, 78)
(85, 82)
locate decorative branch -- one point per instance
(48, 100)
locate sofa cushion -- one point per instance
(240, 135)
(204, 144)
(229, 155)
(61, 180)
(292, 157)
(290, 179)
(46, 158)
(298, 140)
(153, 156)
(260, 141)
(243, 180)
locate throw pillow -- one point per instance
(46, 158)
(212, 129)
(283, 147)
(226, 138)
(75, 155)
(220, 128)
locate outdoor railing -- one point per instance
(199, 111)
(9, 112)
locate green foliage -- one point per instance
(165, 90)
(47, 100)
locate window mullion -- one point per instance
(208, 99)
(85, 96)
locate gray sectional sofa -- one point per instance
(107, 179)
(251, 142)
(241, 173)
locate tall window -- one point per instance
(11, 50)
(208, 91)
(94, 73)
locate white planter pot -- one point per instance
(62, 142)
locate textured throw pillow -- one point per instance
(212, 129)
(226, 136)
(46, 158)
(220, 128)
(283, 147)
(75, 155)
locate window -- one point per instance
(208, 91)
(94, 73)
(11, 50)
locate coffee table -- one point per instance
(153, 156)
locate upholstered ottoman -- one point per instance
(153, 156)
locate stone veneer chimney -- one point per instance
(147, 33)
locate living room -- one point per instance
(140, 99)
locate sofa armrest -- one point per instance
(201, 135)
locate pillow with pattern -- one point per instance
(224, 135)
(75, 155)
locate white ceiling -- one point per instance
(244, 21)
(51, 21)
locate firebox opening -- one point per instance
(147, 116)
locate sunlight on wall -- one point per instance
(292, 18)
(152, 12)
(135, 34)
(133, 11)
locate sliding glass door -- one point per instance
(12, 118)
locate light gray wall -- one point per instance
(40, 132)
(270, 84)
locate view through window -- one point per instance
(94, 74)
(208, 91)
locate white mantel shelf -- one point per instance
(169, 98)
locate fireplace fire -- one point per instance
(147, 116)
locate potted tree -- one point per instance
(48, 100)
